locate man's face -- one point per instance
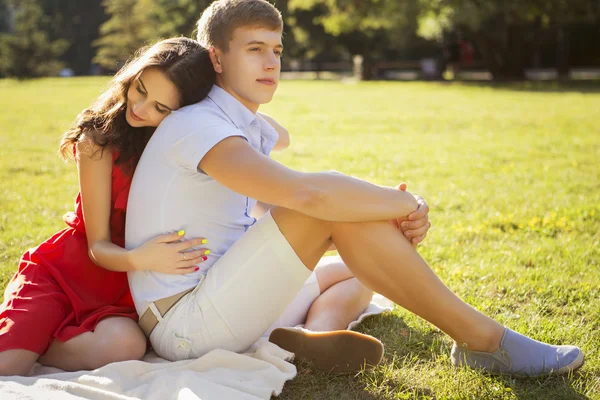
(250, 69)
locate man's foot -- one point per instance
(335, 351)
(521, 356)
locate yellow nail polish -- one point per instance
(181, 232)
(204, 241)
(207, 252)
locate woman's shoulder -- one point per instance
(89, 145)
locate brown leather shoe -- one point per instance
(335, 351)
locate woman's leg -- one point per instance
(343, 298)
(34, 307)
(382, 259)
(114, 339)
(17, 362)
(325, 341)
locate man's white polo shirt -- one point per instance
(168, 193)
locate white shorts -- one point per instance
(296, 312)
(240, 298)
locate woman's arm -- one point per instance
(163, 253)
(284, 136)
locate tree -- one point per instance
(502, 29)
(5, 17)
(178, 17)
(129, 27)
(77, 22)
(363, 27)
(134, 23)
(29, 51)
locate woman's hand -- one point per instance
(169, 254)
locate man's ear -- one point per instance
(215, 58)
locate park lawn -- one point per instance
(511, 175)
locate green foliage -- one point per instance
(369, 18)
(178, 17)
(369, 28)
(502, 28)
(129, 27)
(134, 23)
(77, 22)
(29, 51)
(5, 15)
(348, 16)
(474, 13)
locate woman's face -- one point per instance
(150, 98)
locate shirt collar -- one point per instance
(236, 111)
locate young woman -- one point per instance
(69, 304)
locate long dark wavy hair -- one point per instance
(184, 61)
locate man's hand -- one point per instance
(416, 225)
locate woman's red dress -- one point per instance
(58, 292)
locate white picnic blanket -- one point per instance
(217, 375)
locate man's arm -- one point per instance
(330, 196)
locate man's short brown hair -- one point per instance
(219, 20)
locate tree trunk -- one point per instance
(562, 53)
(503, 49)
(367, 68)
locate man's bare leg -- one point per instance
(383, 259)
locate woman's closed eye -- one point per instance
(139, 89)
(162, 111)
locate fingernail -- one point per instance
(196, 269)
(181, 232)
(405, 226)
(207, 252)
(204, 258)
(204, 241)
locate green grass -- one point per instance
(511, 175)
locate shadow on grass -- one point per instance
(592, 86)
(402, 341)
(311, 384)
(399, 340)
(408, 347)
(552, 387)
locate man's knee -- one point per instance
(295, 224)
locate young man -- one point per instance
(201, 170)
